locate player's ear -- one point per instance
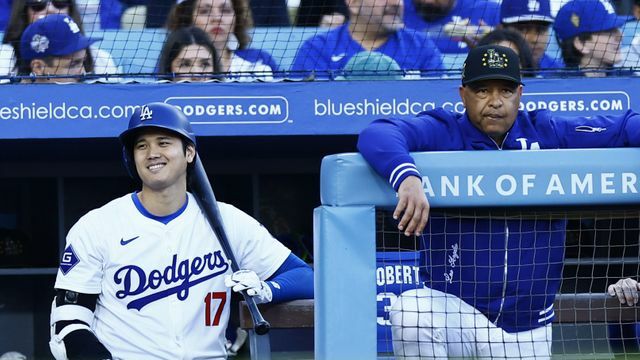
(190, 153)
(38, 66)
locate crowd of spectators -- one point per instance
(211, 39)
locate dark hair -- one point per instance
(524, 51)
(177, 40)
(181, 15)
(19, 20)
(570, 54)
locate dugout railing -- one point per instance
(345, 226)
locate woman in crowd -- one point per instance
(517, 43)
(25, 12)
(188, 55)
(227, 24)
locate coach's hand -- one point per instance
(249, 280)
(626, 290)
(413, 206)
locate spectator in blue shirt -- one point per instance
(465, 21)
(375, 25)
(589, 35)
(532, 19)
(5, 10)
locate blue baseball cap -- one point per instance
(587, 16)
(515, 11)
(53, 35)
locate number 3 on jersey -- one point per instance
(214, 305)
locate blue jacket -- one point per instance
(474, 10)
(509, 269)
(328, 53)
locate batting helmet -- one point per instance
(153, 115)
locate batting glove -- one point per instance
(249, 280)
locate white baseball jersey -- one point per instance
(162, 292)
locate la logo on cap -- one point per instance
(495, 60)
(575, 20)
(72, 25)
(146, 113)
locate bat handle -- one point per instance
(260, 325)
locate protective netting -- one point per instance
(508, 283)
(271, 40)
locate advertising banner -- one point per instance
(283, 108)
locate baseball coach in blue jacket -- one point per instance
(490, 283)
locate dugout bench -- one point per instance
(586, 308)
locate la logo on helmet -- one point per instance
(533, 5)
(146, 113)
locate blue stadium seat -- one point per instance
(135, 51)
(283, 42)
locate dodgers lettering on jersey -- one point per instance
(161, 285)
(135, 280)
(513, 265)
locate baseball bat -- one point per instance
(201, 189)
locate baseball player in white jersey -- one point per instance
(143, 277)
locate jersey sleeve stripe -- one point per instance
(405, 171)
(399, 167)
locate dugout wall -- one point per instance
(344, 226)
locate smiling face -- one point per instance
(161, 159)
(492, 106)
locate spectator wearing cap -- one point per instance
(631, 53)
(589, 35)
(453, 24)
(54, 47)
(533, 20)
(25, 12)
(375, 25)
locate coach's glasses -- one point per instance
(40, 5)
